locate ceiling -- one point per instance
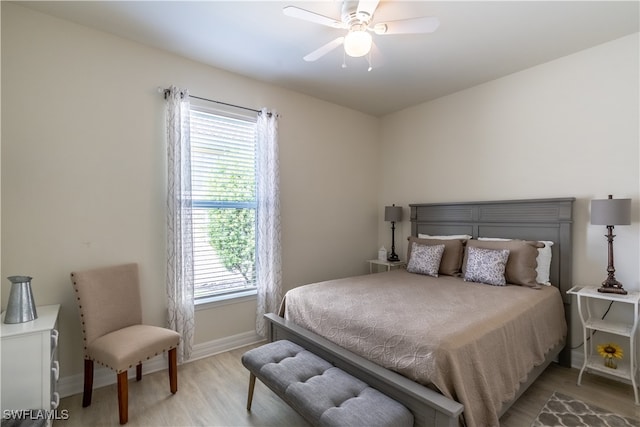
(476, 42)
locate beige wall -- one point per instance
(567, 128)
(83, 169)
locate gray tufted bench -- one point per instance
(323, 394)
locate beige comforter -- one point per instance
(475, 343)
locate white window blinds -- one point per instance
(223, 174)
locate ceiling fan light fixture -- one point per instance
(357, 19)
(357, 43)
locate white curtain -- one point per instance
(269, 275)
(179, 221)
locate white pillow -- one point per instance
(543, 259)
(544, 263)
(449, 237)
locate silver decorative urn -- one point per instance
(21, 307)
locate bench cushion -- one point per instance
(282, 364)
(320, 392)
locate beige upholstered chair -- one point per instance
(111, 317)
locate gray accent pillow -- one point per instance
(425, 259)
(486, 266)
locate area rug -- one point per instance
(563, 410)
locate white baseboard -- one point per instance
(73, 384)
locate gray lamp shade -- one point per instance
(611, 212)
(393, 213)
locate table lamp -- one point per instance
(611, 212)
(394, 214)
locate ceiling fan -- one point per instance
(357, 18)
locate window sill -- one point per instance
(220, 300)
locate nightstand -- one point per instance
(628, 366)
(388, 264)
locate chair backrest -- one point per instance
(108, 299)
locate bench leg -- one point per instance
(252, 385)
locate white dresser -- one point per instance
(30, 368)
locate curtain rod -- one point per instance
(165, 92)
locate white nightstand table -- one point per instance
(387, 264)
(628, 366)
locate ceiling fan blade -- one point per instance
(425, 24)
(367, 6)
(322, 51)
(296, 12)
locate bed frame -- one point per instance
(540, 219)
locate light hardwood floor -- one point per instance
(213, 392)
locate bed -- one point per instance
(469, 365)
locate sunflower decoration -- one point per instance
(610, 352)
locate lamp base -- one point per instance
(612, 287)
(393, 258)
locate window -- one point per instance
(223, 179)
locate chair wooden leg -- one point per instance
(139, 372)
(88, 383)
(123, 397)
(173, 370)
(252, 385)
